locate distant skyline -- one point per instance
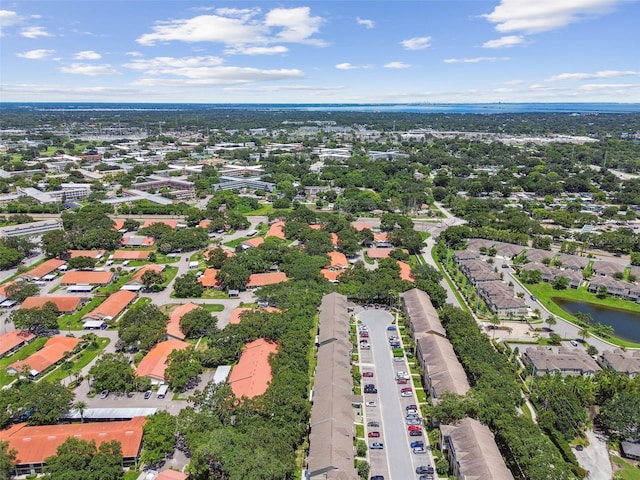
(320, 51)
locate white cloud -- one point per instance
(209, 76)
(515, 82)
(87, 55)
(134, 54)
(38, 54)
(237, 28)
(592, 76)
(416, 43)
(504, 42)
(398, 65)
(7, 19)
(256, 50)
(29, 90)
(475, 59)
(90, 70)
(533, 16)
(611, 86)
(35, 32)
(285, 88)
(365, 22)
(349, 66)
(168, 65)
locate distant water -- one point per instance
(448, 108)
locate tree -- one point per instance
(561, 283)
(113, 372)
(183, 366)
(143, 326)
(584, 333)
(197, 323)
(555, 339)
(36, 320)
(131, 225)
(7, 460)
(82, 263)
(152, 280)
(9, 257)
(551, 321)
(48, 402)
(188, 286)
(54, 243)
(602, 292)
(78, 459)
(621, 415)
(159, 437)
(19, 291)
(216, 257)
(81, 407)
(233, 275)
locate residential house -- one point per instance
(617, 288)
(262, 279)
(169, 223)
(45, 268)
(539, 256)
(572, 262)
(508, 250)
(472, 451)
(137, 241)
(13, 341)
(113, 306)
(131, 255)
(173, 326)
(609, 269)
(95, 254)
(477, 244)
(254, 242)
(421, 314)
(275, 230)
(63, 304)
(627, 363)
(53, 352)
(87, 278)
(565, 361)
(136, 282)
(442, 372)
(338, 260)
(154, 363)
(250, 377)
(209, 279)
(465, 255)
(405, 272)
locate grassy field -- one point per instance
(213, 293)
(74, 320)
(545, 293)
(79, 362)
(21, 354)
(623, 470)
(212, 307)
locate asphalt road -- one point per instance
(390, 409)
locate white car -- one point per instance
(371, 404)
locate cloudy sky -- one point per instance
(335, 51)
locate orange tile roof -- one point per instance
(379, 252)
(236, 313)
(338, 259)
(250, 377)
(154, 363)
(380, 237)
(3, 288)
(262, 279)
(44, 268)
(405, 272)
(89, 278)
(118, 224)
(315, 226)
(331, 275)
(209, 278)
(204, 223)
(173, 327)
(52, 352)
(254, 242)
(229, 253)
(63, 304)
(334, 239)
(131, 254)
(172, 475)
(113, 306)
(361, 226)
(35, 443)
(168, 223)
(10, 340)
(146, 241)
(87, 253)
(275, 230)
(137, 277)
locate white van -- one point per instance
(162, 391)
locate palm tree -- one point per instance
(584, 333)
(81, 407)
(495, 321)
(551, 321)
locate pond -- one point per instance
(625, 322)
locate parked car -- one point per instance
(419, 450)
(425, 477)
(574, 343)
(412, 412)
(370, 404)
(147, 394)
(104, 394)
(373, 424)
(406, 393)
(404, 375)
(367, 374)
(415, 433)
(411, 407)
(377, 477)
(414, 428)
(413, 421)
(422, 469)
(376, 446)
(391, 328)
(417, 443)
(401, 381)
(374, 435)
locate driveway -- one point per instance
(595, 458)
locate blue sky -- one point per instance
(320, 51)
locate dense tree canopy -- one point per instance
(142, 326)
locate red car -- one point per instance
(374, 434)
(367, 374)
(414, 428)
(401, 381)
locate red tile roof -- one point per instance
(11, 340)
(334, 239)
(209, 278)
(52, 352)
(43, 269)
(254, 242)
(204, 224)
(378, 253)
(236, 313)
(87, 253)
(250, 377)
(262, 279)
(113, 306)
(154, 363)
(137, 277)
(338, 259)
(315, 226)
(118, 224)
(173, 327)
(275, 230)
(331, 275)
(361, 226)
(172, 475)
(168, 223)
(63, 304)
(380, 237)
(35, 443)
(3, 288)
(86, 278)
(131, 254)
(405, 272)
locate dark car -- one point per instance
(377, 477)
(425, 477)
(417, 443)
(147, 395)
(411, 407)
(415, 433)
(373, 424)
(422, 469)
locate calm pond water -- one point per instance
(625, 322)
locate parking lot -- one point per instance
(388, 407)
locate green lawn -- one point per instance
(236, 242)
(623, 470)
(359, 430)
(21, 354)
(213, 293)
(169, 273)
(162, 258)
(131, 475)
(545, 292)
(74, 320)
(213, 307)
(79, 362)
